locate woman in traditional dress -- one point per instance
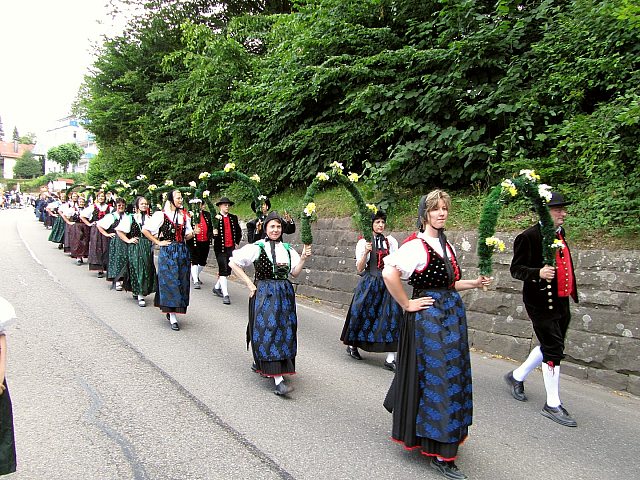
(273, 322)
(374, 317)
(7, 439)
(170, 229)
(72, 203)
(141, 277)
(117, 261)
(78, 232)
(98, 243)
(57, 231)
(431, 394)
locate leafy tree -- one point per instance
(65, 155)
(27, 166)
(28, 139)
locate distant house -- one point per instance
(10, 152)
(68, 130)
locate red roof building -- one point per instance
(10, 152)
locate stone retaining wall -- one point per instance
(603, 343)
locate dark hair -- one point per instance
(378, 215)
(271, 217)
(121, 200)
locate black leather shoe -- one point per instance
(515, 387)
(226, 300)
(283, 389)
(100, 274)
(390, 365)
(558, 415)
(217, 292)
(175, 326)
(196, 285)
(353, 352)
(60, 246)
(447, 469)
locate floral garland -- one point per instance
(539, 195)
(348, 181)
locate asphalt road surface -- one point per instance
(104, 389)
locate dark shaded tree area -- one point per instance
(414, 94)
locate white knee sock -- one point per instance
(172, 318)
(218, 282)
(551, 376)
(533, 360)
(223, 286)
(194, 273)
(279, 379)
(391, 357)
(200, 268)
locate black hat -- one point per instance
(257, 205)
(557, 200)
(224, 200)
(271, 217)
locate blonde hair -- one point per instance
(430, 202)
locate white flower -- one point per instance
(195, 200)
(337, 166)
(545, 192)
(192, 184)
(530, 174)
(152, 187)
(557, 243)
(354, 177)
(323, 177)
(103, 186)
(310, 209)
(187, 194)
(229, 166)
(158, 206)
(168, 183)
(204, 175)
(255, 178)
(206, 193)
(262, 197)
(141, 177)
(466, 246)
(219, 217)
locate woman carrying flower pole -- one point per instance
(431, 394)
(98, 243)
(141, 270)
(170, 229)
(374, 317)
(117, 251)
(273, 322)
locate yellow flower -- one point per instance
(509, 186)
(495, 242)
(354, 177)
(152, 187)
(372, 207)
(229, 166)
(557, 243)
(310, 209)
(530, 174)
(323, 177)
(255, 178)
(337, 166)
(204, 175)
(206, 193)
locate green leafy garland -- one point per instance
(348, 181)
(526, 184)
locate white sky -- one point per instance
(46, 51)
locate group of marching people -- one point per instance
(424, 335)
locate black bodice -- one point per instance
(435, 273)
(265, 270)
(170, 231)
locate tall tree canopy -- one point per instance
(65, 155)
(415, 94)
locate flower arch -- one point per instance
(348, 181)
(538, 195)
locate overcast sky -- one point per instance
(46, 50)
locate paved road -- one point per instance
(103, 389)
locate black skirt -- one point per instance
(7, 440)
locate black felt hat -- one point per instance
(557, 200)
(224, 200)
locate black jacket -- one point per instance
(526, 265)
(218, 240)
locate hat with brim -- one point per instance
(224, 200)
(557, 200)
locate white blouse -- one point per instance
(108, 220)
(362, 243)
(248, 254)
(156, 220)
(88, 211)
(125, 223)
(7, 315)
(412, 256)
